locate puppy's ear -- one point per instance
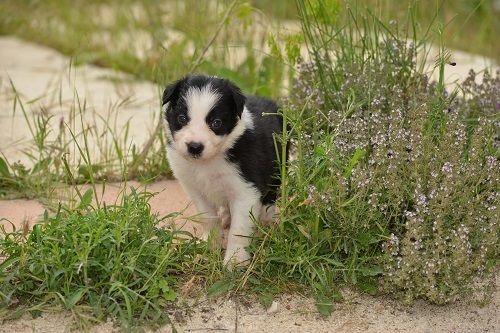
(171, 92)
(238, 97)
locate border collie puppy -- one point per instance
(222, 150)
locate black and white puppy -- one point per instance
(222, 150)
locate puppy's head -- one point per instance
(203, 115)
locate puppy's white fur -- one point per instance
(199, 103)
(211, 181)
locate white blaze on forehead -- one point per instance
(200, 101)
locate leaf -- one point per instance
(324, 305)
(368, 285)
(71, 301)
(337, 296)
(87, 171)
(244, 11)
(365, 239)
(320, 151)
(40, 165)
(52, 278)
(274, 47)
(86, 199)
(358, 154)
(4, 168)
(371, 271)
(266, 299)
(219, 288)
(303, 231)
(35, 313)
(7, 263)
(168, 293)
(490, 263)
(334, 262)
(292, 47)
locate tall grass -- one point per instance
(386, 163)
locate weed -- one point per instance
(394, 177)
(111, 261)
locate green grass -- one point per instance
(97, 262)
(104, 34)
(470, 25)
(344, 221)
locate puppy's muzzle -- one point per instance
(195, 149)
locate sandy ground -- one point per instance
(294, 313)
(47, 83)
(169, 198)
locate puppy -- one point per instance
(222, 150)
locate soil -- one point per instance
(169, 197)
(295, 313)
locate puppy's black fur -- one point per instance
(255, 151)
(229, 107)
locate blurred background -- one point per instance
(163, 40)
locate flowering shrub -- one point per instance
(406, 176)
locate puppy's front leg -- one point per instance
(240, 231)
(208, 214)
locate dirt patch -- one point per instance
(294, 313)
(359, 313)
(169, 197)
(19, 212)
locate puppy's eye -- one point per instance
(182, 119)
(216, 124)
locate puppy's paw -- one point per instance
(238, 257)
(267, 215)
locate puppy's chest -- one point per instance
(219, 181)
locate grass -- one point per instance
(61, 144)
(168, 46)
(348, 211)
(470, 25)
(97, 262)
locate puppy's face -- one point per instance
(202, 115)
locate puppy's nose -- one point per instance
(195, 148)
